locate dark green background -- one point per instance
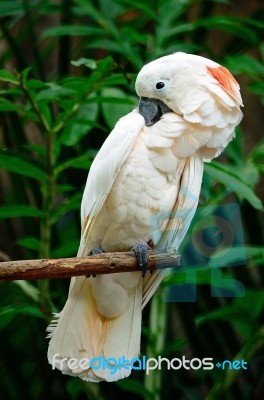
(67, 74)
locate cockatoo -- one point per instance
(142, 191)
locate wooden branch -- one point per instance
(105, 263)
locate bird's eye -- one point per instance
(160, 85)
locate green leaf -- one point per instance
(185, 47)
(227, 255)
(232, 180)
(25, 73)
(8, 8)
(257, 88)
(257, 154)
(107, 44)
(177, 30)
(117, 79)
(87, 62)
(198, 275)
(243, 312)
(70, 204)
(177, 345)
(244, 64)
(178, 7)
(249, 172)
(142, 6)
(125, 99)
(102, 19)
(227, 313)
(235, 254)
(105, 65)
(39, 149)
(33, 84)
(5, 76)
(222, 1)
(134, 386)
(79, 125)
(30, 310)
(29, 242)
(20, 166)
(18, 210)
(29, 289)
(68, 249)
(75, 388)
(113, 111)
(234, 150)
(55, 92)
(8, 313)
(71, 30)
(76, 84)
(81, 162)
(233, 25)
(6, 105)
(85, 88)
(65, 188)
(46, 114)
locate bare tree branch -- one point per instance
(105, 263)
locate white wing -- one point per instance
(79, 330)
(105, 169)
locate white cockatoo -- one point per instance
(142, 190)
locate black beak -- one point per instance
(152, 110)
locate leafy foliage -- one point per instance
(67, 73)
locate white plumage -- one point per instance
(143, 186)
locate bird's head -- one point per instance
(153, 86)
(183, 83)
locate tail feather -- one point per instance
(80, 332)
(150, 285)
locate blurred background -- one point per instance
(67, 75)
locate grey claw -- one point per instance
(94, 252)
(141, 251)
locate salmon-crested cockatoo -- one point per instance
(142, 191)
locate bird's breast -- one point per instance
(140, 191)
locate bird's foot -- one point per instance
(141, 251)
(94, 252)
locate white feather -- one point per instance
(180, 219)
(143, 186)
(104, 171)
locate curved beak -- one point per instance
(152, 110)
